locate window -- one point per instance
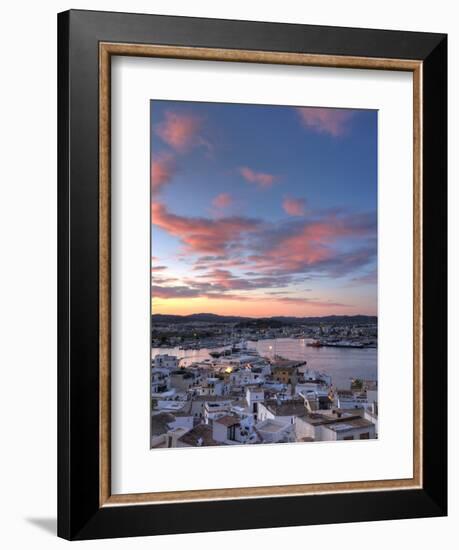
(365, 435)
(348, 437)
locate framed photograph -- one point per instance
(252, 275)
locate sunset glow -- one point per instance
(263, 211)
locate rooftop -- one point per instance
(331, 420)
(286, 408)
(350, 424)
(211, 398)
(229, 420)
(201, 432)
(271, 426)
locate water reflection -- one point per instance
(341, 363)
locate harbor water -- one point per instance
(342, 364)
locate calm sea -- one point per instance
(341, 363)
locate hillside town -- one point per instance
(238, 397)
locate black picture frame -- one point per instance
(80, 515)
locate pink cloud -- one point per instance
(263, 180)
(179, 291)
(162, 170)
(203, 235)
(325, 121)
(294, 207)
(179, 130)
(223, 200)
(184, 291)
(312, 246)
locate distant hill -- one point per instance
(261, 323)
(244, 322)
(196, 317)
(331, 319)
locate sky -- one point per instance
(262, 210)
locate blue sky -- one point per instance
(263, 209)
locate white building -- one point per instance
(358, 428)
(233, 430)
(215, 409)
(198, 404)
(372, 416)
(244, 376)
(311, 375)
(182, 420)
(167, 405)
(333, 426)
(164, 430)
(254, 394)
(211, 386)
(274, 386)
(274, 431)
(160, 381)
(284, 411)
(310, 386)
(347, 399)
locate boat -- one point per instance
(315, 344)
(343, 344)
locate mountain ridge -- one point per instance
(288, 320)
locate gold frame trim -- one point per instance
(106, 51)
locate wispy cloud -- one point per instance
(179, 130)
(204, 235)
(263, 180)
(223, 280)
(370, 278)
(334, 122)
(211, 291)
(294, 207)
(316, 246)
(162, 170)
(223, 200)
(167, 292)
(332, 244)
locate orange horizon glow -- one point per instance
(262, 309)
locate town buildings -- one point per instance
(241, 398)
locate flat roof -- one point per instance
(228, 420)
(286, 408)
(319, 419)
(272, 426)
(351, 424)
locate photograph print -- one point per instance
(264, 322)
